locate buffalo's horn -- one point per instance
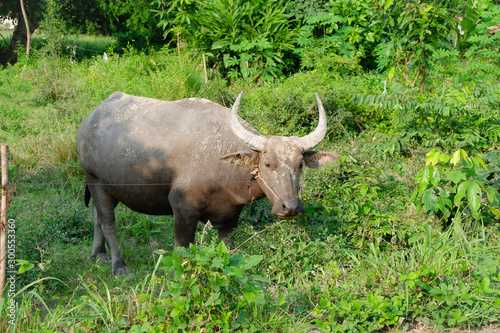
(254, 141)
(310, 141)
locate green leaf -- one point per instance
(250, 296)
(195, 290)
(234, 270)
(495, 211)
(24, 266)
(485, 284)
(364, 189)
(462, 187)
(473, 196)
(213, 299)
(492, 195)
(429, 199)
(456, 176)
(252, 261)
(478, 162)
(387, 4)
(469, 20)
(435, 156)
(458, 155)
(282, 300)
(423, 179)
(444, 203)
(390, 73)
(435, 176)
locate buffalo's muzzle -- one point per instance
(287, 209)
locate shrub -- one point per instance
(249, 39)
(210, 289)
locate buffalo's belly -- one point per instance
(143, 198)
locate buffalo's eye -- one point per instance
(266, 163)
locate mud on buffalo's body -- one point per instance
(193, 159)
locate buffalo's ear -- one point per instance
(315, 159)
(241, 158)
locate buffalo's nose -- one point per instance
(289, 208)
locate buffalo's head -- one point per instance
(278, 161)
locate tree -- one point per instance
(413, 31)
(34, 13)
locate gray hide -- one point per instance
(185, 158)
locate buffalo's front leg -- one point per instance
(225, 230)
(186, 219)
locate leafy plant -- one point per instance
(468, 22)
(462, 115)
(343, 30)
(366, 314)
(252, 39)
(210, 289)
(414, 31)
(457, 186)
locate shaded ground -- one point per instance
(487, 329)
(423, 329)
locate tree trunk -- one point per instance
(27, 26)
(20, 34)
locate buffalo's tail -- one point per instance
(87, 195)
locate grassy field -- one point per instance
(366, 255)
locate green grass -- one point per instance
(363, 256)
(5, 36)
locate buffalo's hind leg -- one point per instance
(99, 253)
(105, 229)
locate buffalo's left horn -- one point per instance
(254, 141)
(310, 141)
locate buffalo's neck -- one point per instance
(254, 190)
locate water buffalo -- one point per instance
(192, 158)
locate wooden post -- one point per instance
(3, 218)
(205, 68)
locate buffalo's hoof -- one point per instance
(123, 272)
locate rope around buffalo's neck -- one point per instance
(256, 174)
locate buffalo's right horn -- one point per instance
(254, 141)
(310, 141)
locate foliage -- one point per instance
(245, 38)
(459, 187)
(210, 289)
(362, 257)
(468, 23)
(484, 45)
(130, 21)
(414, 31)
(301, 10)
(343, 30)
(464, 115)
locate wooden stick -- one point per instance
(205, 68)
(3, 219)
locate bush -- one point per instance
(249, 39)
(210, 289)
